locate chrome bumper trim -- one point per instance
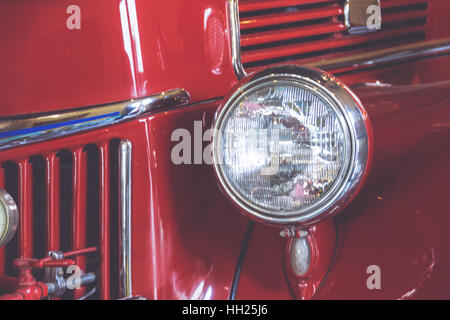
(25, 130)
(125, 157)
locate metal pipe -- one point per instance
(85, 279)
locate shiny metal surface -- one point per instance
(377, 58)
(21, 131)
(85, 279)
(417, 50)
(12, 217)
(54, 276)
(235, 36)
(125, 218)
(355, 15)
(357, 134)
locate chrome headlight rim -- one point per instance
(356, 128)
(12, 217)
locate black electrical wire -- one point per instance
(240, 262)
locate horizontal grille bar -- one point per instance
(274, 31)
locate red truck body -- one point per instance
(186, 234)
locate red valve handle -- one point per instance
(42, 263)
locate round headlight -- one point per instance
(291, 145)
(9, 217)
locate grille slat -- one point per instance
(401, 4)
(253, 5)
(104, 222)
(291, 33)
(79, 217)
(282, 18)
(285, 30)
(313, 47)
(66, 201)
(403, 16)
(25, 206)
(53, 197)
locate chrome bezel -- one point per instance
(12, 217)
(352, 119)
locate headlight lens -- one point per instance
(284, 148)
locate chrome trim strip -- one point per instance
(125, 157)
(235, 36)
(368, 59)
(22, 131)
(377, 58)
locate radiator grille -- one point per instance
(68, 200)
(274, 31)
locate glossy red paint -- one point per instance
(186, 234)
(53, 218)
(276, 35)
(37, 291)
(124, 49)
(398, 224)
(262, 275)
(295, 49)
(80, 251)
(190, 242)
(436, 27)
(25, 210)
(322, 241)
(79, 206)
(25, 286)
(195, 234)
(250, 5)
(256, 22)
(411, 123)
(182, 249)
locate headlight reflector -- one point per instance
(286, 146)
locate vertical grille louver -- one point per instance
(68, 199)
(284, 30)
